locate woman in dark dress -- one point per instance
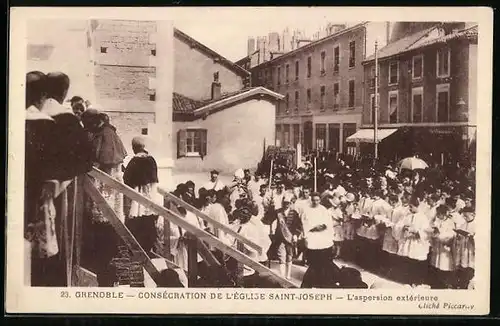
(108, 155)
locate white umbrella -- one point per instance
(412, 163)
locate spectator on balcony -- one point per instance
(107, 155)
(72, 148)
(78, 105)
(56, 149)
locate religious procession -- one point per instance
(406, 221)
(261, 193)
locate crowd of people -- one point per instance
(413, 226)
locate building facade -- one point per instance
(427, 95)
(226, 133)
(322, 85)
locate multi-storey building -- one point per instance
(193, 104)
(322, 82)
(427, 89)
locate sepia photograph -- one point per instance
(306, 153)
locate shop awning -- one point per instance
(366, 135)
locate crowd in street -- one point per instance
(415, 226)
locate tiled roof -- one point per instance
(469, 34)
(184, 104)
(400, 45)
(181, 103)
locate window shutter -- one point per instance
(181, 143)
(203, 139)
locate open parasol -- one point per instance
(412, 163)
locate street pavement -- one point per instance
(372, 280)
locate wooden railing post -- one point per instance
(65, 247)
(167, 251)
(78, 211)
(181, 222)
(240, 266)
(192, 249)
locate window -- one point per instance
(286, 135)
(418, 67)
(322, 98)
(279, 76)
(144, 131)
(334, 136)
(322, 62)
(348, 129)
(372, 107)
(320, 136)
(351, 93)
(287, 102)
(296, 70)
(296, 100)
(152, 97)
(352, 54)
(443, 102)
(308, 97)
(266, 76)
(278, 135)
(309, 64)
(153, 52)
(393, 107)
(336, 59)
(443, 62)
(104, 49)
(287, 71)
(192, 142)
(417, 102)
(336, 96)
(393, 73)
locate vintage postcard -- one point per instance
(323, 160)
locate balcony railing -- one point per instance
(71, 212)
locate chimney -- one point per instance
(387, 32)
(251, 46)
(216, 87)
(286, 43)
(273, 41)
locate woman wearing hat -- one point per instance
(250, 228)
(108, 156)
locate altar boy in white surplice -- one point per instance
(413, 232)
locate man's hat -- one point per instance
(214, 172)
(350, 197)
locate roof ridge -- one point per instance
(213, 52)
(424, 34)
